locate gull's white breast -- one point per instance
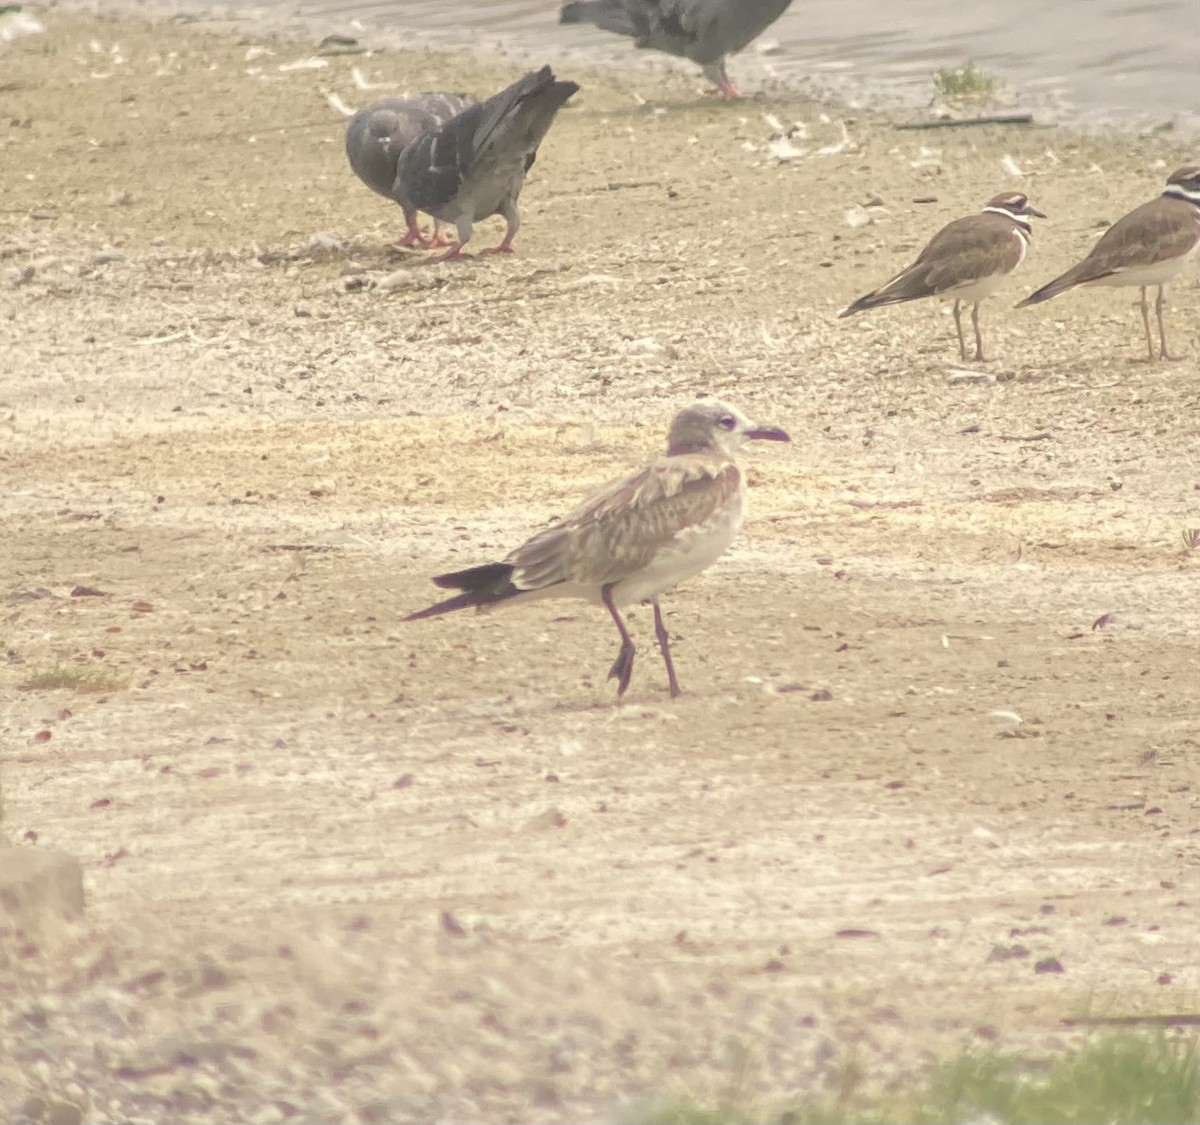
(690, 552)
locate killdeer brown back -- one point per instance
(634, 538)
(1149, 246)
(967, 259)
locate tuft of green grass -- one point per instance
(964, 83)
(1122, 1079)
(64, 678)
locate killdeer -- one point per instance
(704, 31)
(634, 538)
(377, 134)
(1149, 246)
(967, 259)
(474, 165)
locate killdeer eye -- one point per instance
(727, 422)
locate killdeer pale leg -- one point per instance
(1162, 331)
(1144, 305)
(962, 343)
(1148, 247)
(979, 356)
(634, 538)
(622, 669)
(664, 643)
(966, 260)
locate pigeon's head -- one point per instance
(712, 425)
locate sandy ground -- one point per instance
(341, 868)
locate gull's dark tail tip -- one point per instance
(869, 301)
(480, 586)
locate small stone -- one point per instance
(451, 926)
(959, 378)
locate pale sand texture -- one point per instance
(260, 469)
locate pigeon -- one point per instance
(474, 165)
(704, 31)
(634, 538)
(967, 260)
(376, 135)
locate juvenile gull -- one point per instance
(635, 537)
(474, 165)
(967, 259)
(377, 134)
(704, 31)
(1149, 246)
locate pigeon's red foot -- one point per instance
(456, 251)
(729, 91)
(506, 243)
(412, 237)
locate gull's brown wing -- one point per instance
(622, 528)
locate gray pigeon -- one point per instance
(704, 31)
(376, 135)
(474, 165)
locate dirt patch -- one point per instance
(906, 768)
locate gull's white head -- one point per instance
(710, 425)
